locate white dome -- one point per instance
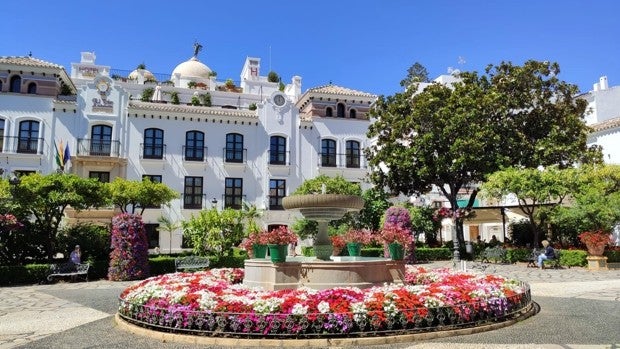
(192, 68)
(148, 76)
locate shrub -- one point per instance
(23, 274)
(273, 77)
(147, 94)
(94, 241)
(129, 256)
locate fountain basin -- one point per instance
(361, 272)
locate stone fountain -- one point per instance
(324, 270)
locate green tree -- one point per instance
(126, 194)
(595, 204)
(375, 204)
(422, 222)
(535, 190)
(454, 136)
(214, 232)
(416, 73)
(250, 214)
(166, 224)
(46, 197)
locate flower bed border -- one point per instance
(329, 325)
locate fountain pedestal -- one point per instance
(361, 272)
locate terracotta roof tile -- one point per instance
(606, 125)
(339, 90)
(178, 108)
(29, 62)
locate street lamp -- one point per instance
(14, 181)
(213, 203)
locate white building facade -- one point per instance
(604, 118)
(215, 143)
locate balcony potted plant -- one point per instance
(396, 237)
(277, 242)
(355, 239)
(595, 241)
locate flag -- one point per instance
(67, 155)
(59, 161)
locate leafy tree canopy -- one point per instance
(333, 185)
(139, 194)
(214, 232)
(416, 73)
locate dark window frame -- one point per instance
(233, 193)
(15, 84)
(194, 146)
(193, 192)
(353, 154)
(277, 192)
(234, 147)
(328, 153)
(102, 176)
(100, 140)
(153, 143)
(28, 137)
(277, 150)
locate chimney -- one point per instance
(603, 83)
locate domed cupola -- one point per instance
(191, 70)
(141, 71)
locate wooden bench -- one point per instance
(191, 263)
(496, 254)
(554, 262)
(69, 269)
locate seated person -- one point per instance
(548, 253)
(76, 255)
(494, 242)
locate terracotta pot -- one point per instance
(595, 250)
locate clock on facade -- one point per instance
(279, 100)
(103, 86)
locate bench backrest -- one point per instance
(191, 262)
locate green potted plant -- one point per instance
(277, 241)
(396, 237)
(230, 84)
(273, 77)
(252, 106)
(355, 239)
(191, 84)
(206, 99)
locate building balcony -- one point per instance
(235, 156)
(89, 147)
(195, 154)
(21, 145)
(152, 151)
(342, 161)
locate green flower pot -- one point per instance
(278, 253)
(354, 248)
(397, 252)
(260, 251)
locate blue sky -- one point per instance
(364, 45)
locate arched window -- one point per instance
(234, 148)
(16, 84)
(353, 154)
(328, 153)
(194, 146)
(101, 140)
(32, 88)
(329, 112)
(277, 150)
(28, 141)
(0, 85)
(352, 114)
(340, 110)
(153, 147)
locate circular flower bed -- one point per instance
(215, 303)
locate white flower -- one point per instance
(323, 307)
(299, 309)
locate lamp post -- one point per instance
(214, 203)
(14, 181)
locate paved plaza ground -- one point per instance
(578, 309)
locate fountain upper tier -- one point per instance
(323, 207)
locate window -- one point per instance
(152, 234)
(194, 146)
(329, 112)
(352, 114)
(21, 173)
(15, 84)
(28, 137)
(153, 143)
(328, 153)
(0, 85)
(233, 193)
(32, 88)
(353, 154)
(234, 147)
(277, 191)
(1, 135)
(340, 110)
(277, 150)
(101, 140)
(103, 177)
(152, 178)
(192, 198)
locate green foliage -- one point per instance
(595, 201)
(147, 94)
(573, 258)
(372, 252)
(141, 66)
(214, 232)
(250, 214)
(273, 77)
(451, 136)
(415, 74)
(422, 222)
(162, 264)
(534, 189)
(139, 194)
(195, 101)
(19, 275)
(205, 98)
(252, 106)
(94, 240)
(433, 254)
(613, 256)
(521, 233)
(281, 86)
(46, 197)
(174, 97)
(307, 251)
(229, 83)
(375, 204)
(191, 84)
